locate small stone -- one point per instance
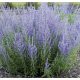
(78, 76)
(18, 76)
(70, 76)
(74, 73)
(1, 76)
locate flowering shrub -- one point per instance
(38, 43)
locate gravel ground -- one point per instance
(73, 73)
(5, 74)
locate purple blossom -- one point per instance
(19, 42)
(42, 29)
(43, 24)
(32, 50)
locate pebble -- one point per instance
(78, 76)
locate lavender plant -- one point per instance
(38, 43)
